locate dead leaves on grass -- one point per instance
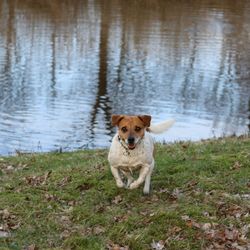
(231, 210)
(32, 247)
(114, 246)
(8, 168)
(220, 236)
(158, 245)
(39, 180)
(9, 222)
(84, 187)
(81, 230)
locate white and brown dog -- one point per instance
(132, 148)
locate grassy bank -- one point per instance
(200, 200)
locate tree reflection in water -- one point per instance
(66, 66)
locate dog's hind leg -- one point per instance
(146, 188)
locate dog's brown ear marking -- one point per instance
(115, 119)
(146, 119)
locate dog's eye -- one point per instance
(137, 129)
(124, 129)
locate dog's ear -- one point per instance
(115, 119)
(146, 119)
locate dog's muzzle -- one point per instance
(131, 143)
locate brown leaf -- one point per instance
(192, 183)
(117, 199)
(113, 246)
(190, 222)
(65, 181)
(163, 190)
(206, 226)
(100, 208)
(236, 166)
(185, 217)
(38, 180)
(65, 234)
(120, 218)
(176, 194)
(32, 247)
(157, 245)
(5, 214)
(195, 224)
(84, 187)
(98, 230)
(231, 234)
(65, 220)
(50, 197)
(174, 231)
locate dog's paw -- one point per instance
(134, 185)
(120, 184)
(146, 191)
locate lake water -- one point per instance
(66, 66)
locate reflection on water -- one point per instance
(66, 66)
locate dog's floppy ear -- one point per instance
(146, 119)
(115, 119)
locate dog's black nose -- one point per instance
(131, 140)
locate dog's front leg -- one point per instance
(143, 173)
(117, 177)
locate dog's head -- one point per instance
(131, 128)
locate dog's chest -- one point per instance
(132, 159)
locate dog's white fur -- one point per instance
(141, 158)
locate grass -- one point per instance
(200, 200)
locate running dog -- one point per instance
(132, 149)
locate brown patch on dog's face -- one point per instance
(131, 128)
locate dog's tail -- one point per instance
(161, 127)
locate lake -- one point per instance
(67, 66)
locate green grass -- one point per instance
(200, 199)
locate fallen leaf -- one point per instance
(50, 197)
(163, 190)
(231, 234)
(65, 181)
(98, 230)
(121, 218)
(206, 226)
(117, 199)
(176, 229)
(236, 166)
(176, 194)
(157, 245)
(38, 180)
(192, 183)
(113, 246)
(5, 214)
(185, 217)
(32, 247)
(84, 187)
(65, 234)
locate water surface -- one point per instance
(66, 66)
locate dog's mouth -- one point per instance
(131, 146)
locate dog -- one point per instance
(132, 148)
